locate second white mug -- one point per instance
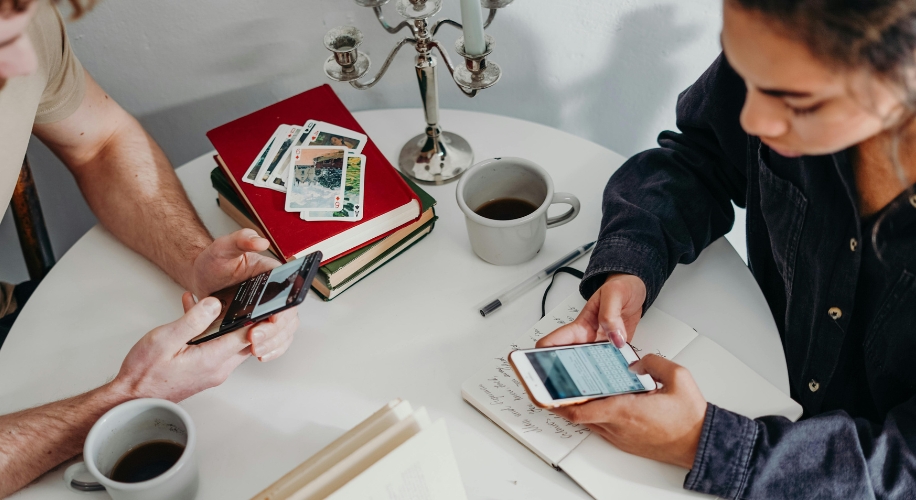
(507, 242)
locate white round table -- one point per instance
(409, 330)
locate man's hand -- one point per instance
(160, 365)
(163, 365)
(229, 260)
(663, 425)
(611, 314)
(232, 259)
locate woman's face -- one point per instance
(795, 103)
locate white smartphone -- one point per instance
(568, 375)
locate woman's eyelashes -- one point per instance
(805, 110)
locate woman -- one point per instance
(807, 119)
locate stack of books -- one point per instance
(396, 212)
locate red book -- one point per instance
(388, 202)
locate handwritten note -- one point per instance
(497, 393)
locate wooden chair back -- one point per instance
(30, 225)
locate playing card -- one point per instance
(316, 179)
(278, 153)
(326, 134)
(352, 209)
(277, 178)
(252, 173)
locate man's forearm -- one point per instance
(133, 190)
(35, 440)
(128, 182)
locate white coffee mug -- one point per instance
(122, 429)
(506, 242)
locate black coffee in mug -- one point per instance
(146, 461)
(505, 209)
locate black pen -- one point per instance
(516, 291)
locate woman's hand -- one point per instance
(663, 425)
(611, 314)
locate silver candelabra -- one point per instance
(434, 157)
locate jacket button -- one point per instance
(813, 385)
(853, 244)
(835, 312)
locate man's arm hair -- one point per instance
(35, 440)
(128, 182)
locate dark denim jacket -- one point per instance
(804, 238)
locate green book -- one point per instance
(320, 285)
(426, 201)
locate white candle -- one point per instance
(472, 23)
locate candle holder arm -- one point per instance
(369, 84)
(490, 17)
(389, 28)
(443, 22)
(451, 68)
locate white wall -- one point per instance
(607, 70)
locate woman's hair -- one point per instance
(879, 34)
(876, 35)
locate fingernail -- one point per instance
(621, 340)
(212, 306)
(257, 335)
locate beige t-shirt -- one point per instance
(51, 94)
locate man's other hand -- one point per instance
(232, 259)
(163, 365)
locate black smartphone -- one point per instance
(257, 298)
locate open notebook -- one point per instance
(601, 469)
(396, 454)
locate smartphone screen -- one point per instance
(583, 371)
(261, 296)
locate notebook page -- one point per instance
(497, 393)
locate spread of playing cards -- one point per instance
(319, 167)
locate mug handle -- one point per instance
(570, 214)
(78, 478)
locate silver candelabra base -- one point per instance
(434, 157)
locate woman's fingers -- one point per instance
(609, 315)
(577, 332)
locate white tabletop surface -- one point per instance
(409, 330)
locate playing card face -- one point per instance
(325, 134)
(316, 179)
(252, 173)
(277, 178)
(278, 153)
(352, 209)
